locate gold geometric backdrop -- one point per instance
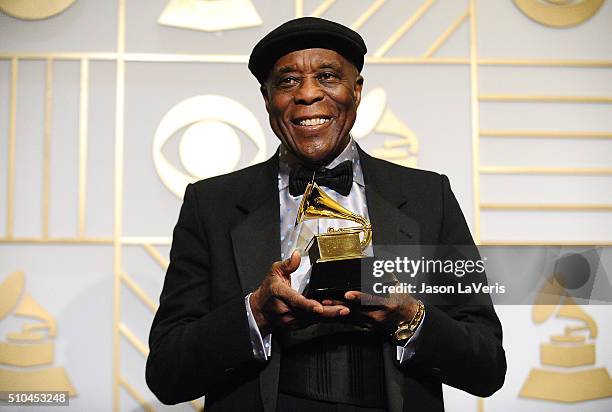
(108, 109)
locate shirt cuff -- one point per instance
(262, 347)
(407, 351)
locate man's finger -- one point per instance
(365, 299)
(280, 308)
(332, 302)
(376, 315)
(298, 301)
(287, 319)
(334, 311)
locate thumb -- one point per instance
(291, 264)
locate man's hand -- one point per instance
(276, 304)
(384, 313)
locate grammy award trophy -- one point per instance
(336, 256)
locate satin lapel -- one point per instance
(256, 239)
(256, 243)
(389, 227)
(385, 201)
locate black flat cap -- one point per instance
(305, 33)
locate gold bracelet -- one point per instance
(405, 330)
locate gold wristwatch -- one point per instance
(405, 330)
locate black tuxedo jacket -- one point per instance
(224, 243)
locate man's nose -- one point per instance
(309, 91)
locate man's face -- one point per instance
(312, 96)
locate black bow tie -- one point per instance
(340, 178)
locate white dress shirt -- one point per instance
(293, 238)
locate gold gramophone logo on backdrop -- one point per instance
(210, 15)
(373, 116)
(573, 350)
(559, 13)
(26, 359)
(209, 145)
(34, 9)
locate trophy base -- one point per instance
(333, 278)
(568, 387)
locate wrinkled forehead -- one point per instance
(311, 60)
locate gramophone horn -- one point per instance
(317, 204)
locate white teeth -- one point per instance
(313, 122)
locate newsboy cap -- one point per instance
(305, 33)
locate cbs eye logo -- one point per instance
(210, 145)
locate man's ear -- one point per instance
(264, 92)
(358, 88)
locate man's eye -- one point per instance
(327, 76)
(287, 81)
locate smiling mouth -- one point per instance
(312, 121)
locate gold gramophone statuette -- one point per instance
(336, 244)
(337, 256)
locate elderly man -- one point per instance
(233, 324)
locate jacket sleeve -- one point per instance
(460, 343)
(193, 346)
